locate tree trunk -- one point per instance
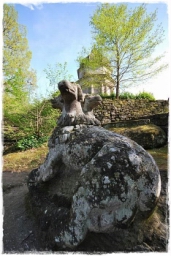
(118, 75)
(117, 89)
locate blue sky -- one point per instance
(57, 32)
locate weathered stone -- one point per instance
(72, 113)
(67, 129)
(148, 136)
(132, 109)
(57, 102)
(100, 181)
(160, 120)
(76, 107)
(92, 180)
(89, 103)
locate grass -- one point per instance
(32, 158)
(160, 155)
(25, 160)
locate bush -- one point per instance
(129, 95)
(30, 142)
(106, 96)
(145, 95)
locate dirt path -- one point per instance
(19, 228)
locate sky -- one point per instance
(56, 33)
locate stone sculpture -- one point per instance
(88, 103)
(57, 102)
(70, 103)
(99, 180)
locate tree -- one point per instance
(30, 128)
(57, 73)
(16, 55)
(18, 78)
(128, 38)
(42, 117)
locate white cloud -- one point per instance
(33, 6)
(30, 6)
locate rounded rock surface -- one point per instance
(108, 179)
(148, 136)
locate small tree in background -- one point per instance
(128, 39)
(57, 73)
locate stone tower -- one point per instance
(95, 81)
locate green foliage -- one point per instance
(96, 68)
(42, 117)
(55, 94)
(128, 39)
(106, 96)
(94, 60)
(57, 73)
(19, 80)
(16, 54)
(26, 122)
(38, 120)
(128, 95)
(145, 95)
(30, 142)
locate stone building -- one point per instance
(95, 81)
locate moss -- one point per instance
(161, 156)
(142, 128)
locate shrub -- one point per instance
(129, 95)
(30, 142)
(145, 95)
(106, 96)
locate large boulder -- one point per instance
(96, 180)
(148, 136)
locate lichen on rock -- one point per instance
(148, 136)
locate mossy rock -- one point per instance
(148, 136)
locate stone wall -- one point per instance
(120, 110)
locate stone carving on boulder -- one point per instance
(57, 102)
(95, 180)
(70, 102)
(88, 103)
